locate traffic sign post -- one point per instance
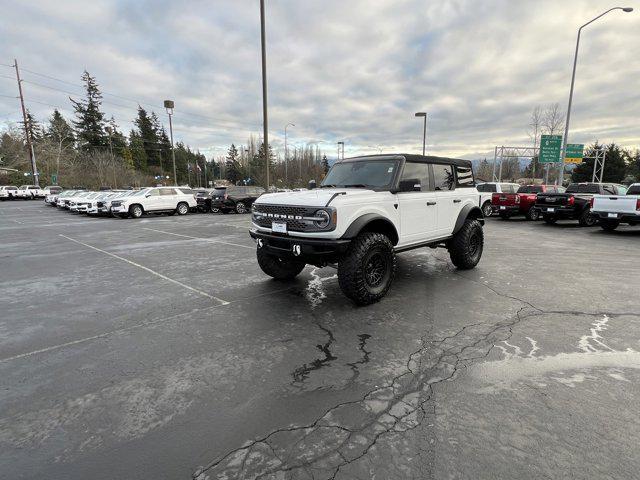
(574, 153)
(54, 179)
(550, 148)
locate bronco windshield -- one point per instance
(374, 173)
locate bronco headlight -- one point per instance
(323, 219)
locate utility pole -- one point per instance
(265, 121)
(113, 160)
(286, 154)
(424, 131)
(27, 129)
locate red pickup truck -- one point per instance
(522, 202)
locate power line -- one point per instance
(8, 96)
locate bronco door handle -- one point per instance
(457, 200)
(431, 203)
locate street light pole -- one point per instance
(340, 146)
(573, 80)
(265, 121)
(424, 131)
(168, 104)
(113, 160)
(286, 156)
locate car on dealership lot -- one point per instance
(83, 202)
(99, 204)
(366, 210)
(487, 189)
(236, 198)
(205, 199)
(575, 202)
(65, 197)
(8, 192)
(612, 210)
(29, 192)
(160, 199)
(523, 202)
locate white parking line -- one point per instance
(164, 277)
(199, 238)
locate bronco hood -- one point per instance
(317, 197)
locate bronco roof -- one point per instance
(412, 158)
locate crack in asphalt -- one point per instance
(346, 432)
(301, 373)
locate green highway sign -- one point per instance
(550, 147)
(574, 153)
(54, 179)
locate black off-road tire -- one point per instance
(136, 211)
(609, 225)
(533, 214)
(182, 208)
(278, 268)
(549, 219)
(587, 220)
(465, 248)
(487, 209)
(366, 271)
(213, 209)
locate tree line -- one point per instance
(91, 151)
(621, 165)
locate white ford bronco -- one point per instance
(366, 210)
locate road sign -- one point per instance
(54, 179)
(574, 153)
(550, 147)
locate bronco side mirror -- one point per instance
(410, 185)
(312, 184)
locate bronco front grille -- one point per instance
(293, 216)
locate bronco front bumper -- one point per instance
(310, 250)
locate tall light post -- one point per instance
(424, 131)
(168, 104)
(113, 160)
(573, 80)
(340, 146)
(286, 156)
(265, 121)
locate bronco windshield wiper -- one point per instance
(356, 185)
(329, 185)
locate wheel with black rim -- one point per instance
(465, 248)
(533, 214)
(214, 209)
(182, 208)
(366, 271)
(587, 220)
(609, 225)
(487, 209)
(241, 208)
(549, 219)
(135, 211)
(278, 268)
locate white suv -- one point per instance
(8, 192)
(162, 199)
(29, 192)
(366, 210)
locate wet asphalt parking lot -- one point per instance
(157, 349)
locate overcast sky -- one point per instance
(340, 70)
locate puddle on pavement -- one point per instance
(521, 363)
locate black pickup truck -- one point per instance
(574, 203)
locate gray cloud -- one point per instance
(353, 71)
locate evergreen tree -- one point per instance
(614, 166)
(148, 129)
(138, 153)
(89, 123)
(233, 169)
(118, 139)
(36, 132)
(59, 131)
(325, 164)
(258, 165)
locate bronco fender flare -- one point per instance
(468, 211)
(372, 222)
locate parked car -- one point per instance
(162, 199)
(238, 199)
(367, 210)
(8, 192)
(487, 189)
(29, 192)
(575, 203)
(51, 189)
(65, 197)
(205, 198)
(523, 202)
(612, 210)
